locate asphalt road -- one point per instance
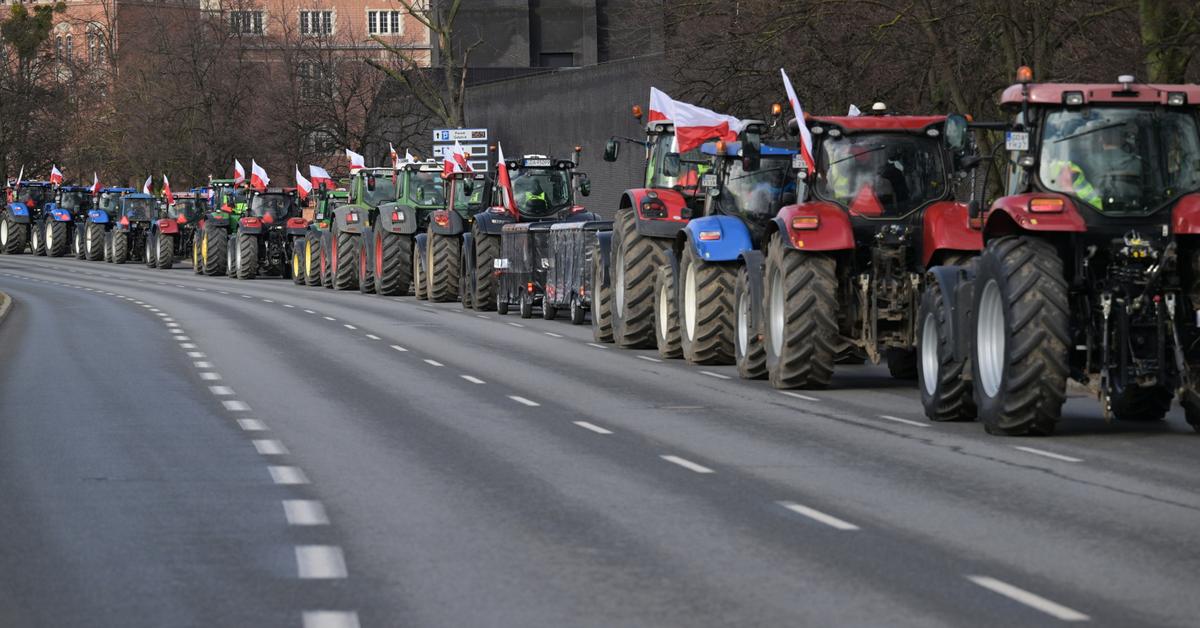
(179, 450)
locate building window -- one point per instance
(316, 22)
(58, 49)
(312, 78)
(70, 49)
(246, 22)
(385, 22)
(91, 47)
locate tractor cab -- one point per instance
(275, 205)
(110, 199)
(187, 208)
(421, 185)
(754, 196)
(372, 187)
(666, 168)
(544, 187)
(469, 193)
(138, 207)
(76, 199)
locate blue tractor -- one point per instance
(53, 231)
(99, 220)
(26, 201)
(126, 237)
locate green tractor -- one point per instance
(386, 254)
(310, 256)
(353, 226)
(210, 251)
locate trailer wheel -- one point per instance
(344, 261)
(1021, 336)
(94, 242)
(442, 267)
(419, 286)
(56, 238)
(37, 244)
(120, 247)
(1137, 403)
(247, 255)
(706, 310)
(12, 235)
(501, 304)
(393, 255)
(901, 363)
(801, 316)
(1189, 398)
(666, 314)
(487, 249)
(578, 313)
(366, 268)
(601, 301)
(945, 395)
(635, 258)
(748, 351)
(525, 304)
(212, 250)
(549, 311)
(166, 251)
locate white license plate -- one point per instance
(708, 181)
(500, 263)
(1016, 140)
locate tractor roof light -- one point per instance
(1073, 98)
(1126, 81)
(637, 111)
(1176, 99)
(1024, 74)
(1046, 205)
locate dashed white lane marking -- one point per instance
(817, 515)
(269, 447)
(161, 314)
(209, 376)
(472, 379)
(522, 400)
(798, 395)
(196, 354)
(399, 348)
(516, 324)
(222, 292)
(716, 375)
(331, 619)
(373, 337)
(1032, 600)
(320, 562)
(252, 425)
(329, 318)
(896, 419)
(287, 475)
(1049, 454)
(482, 316)
(687, 464)
(648, 358)
(433, 363)
(349, 326)
(187, 345)
(591, 426)
(170, 325)
(223, 391)
(309, 312)
(246, 296)
(201, 290)
(288, 305)
(182, 338)
(267, 301)
(234, 405)
(598, 346)
(176, 330)
(305, 512)
(552, 334)
(179, 285)
(202, 365)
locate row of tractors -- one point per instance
(992, 263)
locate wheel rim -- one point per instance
(49, 235)
(204, 248)
(295, 264)
(689, 301)
(35, 240)
(929, 358)
(90, 244)
(619, 289)
(4, 232)
(743, 323)
(989, 338)
(777, 312)
(664, 300)
(379, 255)
(238, 255)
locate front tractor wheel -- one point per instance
(801, 307)
(1021, 336)
(945, 395)
(748, 351)
(247, 255)
(442, 267)
(165, 256)
(12, 235)
(366, 267)
(120, 247)
(1137, 403)
(418, 278)
(1189, 398)
(56, 239)
(94, 242)
(706, 310)
(601, 301)
(312, 260)
(197, 265)
(298, 261)
(666, 314)
(635, 258)
(487, 249)
(212, 250)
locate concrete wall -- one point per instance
(552, 113)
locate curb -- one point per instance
(5, 305)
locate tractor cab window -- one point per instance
(880, 175)
(659, 172)
(189, 208)
(75, 201)
(276, 206)
(541, 192)
(109, 200)
(757, 196)
(38, 195)
(382, 191)
(1120, 160)
(465, 201)
(140, 208)
(425, 189)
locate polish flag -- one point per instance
(806, 143)
(693, 125)
(508, 200)
(258, 177)
(167, 191)
(95, 183)
(395, 156)
(239, 173)
(321, 178)
(357, 162)
(303, 186)
(146, 185)
(408, 157)
(56, 177)
(456, 160)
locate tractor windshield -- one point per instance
(189, 208)
(140, 208)
(880, 175)
(465, 201)
(378, 190)
(1120, 160)
(659, 173)
(39, 195)
(276, 206)
(540, 192)
(108, 201)
(75, 201)
(425, 189)
(759, 194)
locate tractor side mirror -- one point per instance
(955, 133)
(585, 184)
(751, 138)
(671, 165)
(612, 148)
(468, 187)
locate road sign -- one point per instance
(479, 151)
(460, 135)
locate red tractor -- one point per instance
(844, 268)
(1091, 265)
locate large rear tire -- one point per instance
(945, 395)
(1189, 398)
(1137, 403)
(120, 247)
(801, 316)
(1022, 336)
(93, 242)
(247, 255)
(212, 250)
(37, 240)
(601, 301)
(666, 314)
(487, 249)
(393, 255)
(706, 309)
(56, 239)
(444, 258)
(165, 256)
(344, 257)
(748, 351)
(635, 258)
(13, 235)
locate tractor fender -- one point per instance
(165, 225)
(755, 263)
(604, 250)
(57, 213)
(650, 205)
(492, 221)
(349, 219)
(19, 213)
(957, 289)
(398, 218)
(1185, 216)
(249, 224)
(1011, 214)
(832, 230)
(444, 222)
(98, 216)
(716, 238)
(297, 226)
(947, 228)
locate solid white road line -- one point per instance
(373, 337)
(234, 405)
(349, 326)
(223, 391)
(896, 419)
(1031, 600)
(320, 562)
(399, 348)
(287, 475)
(817, 515)
(330, 619)
(647, 358)
(433, 362)
(598, 346)
(716, 375)
(304, 512)
(1048, 454)
(552, 334)
(687, 464)
(210, 376)
(798, 395)
(591, 426)
(472, 379)
(522, 400)
(269, 447)
(252, 425)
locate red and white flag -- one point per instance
(693, 125)
(258, 177)
(456, 160)
(508, 200)
(806, 143)
(167, 191)
(395, 156)
(146, 185)
(321, 178)
(239, 172)
(357, 162)
(56, 177)
(303, 186)
(95, 184)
